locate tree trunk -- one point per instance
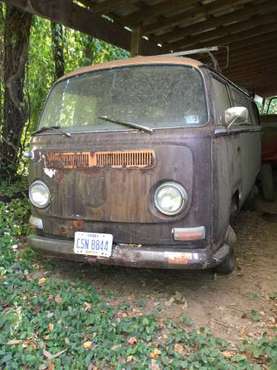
(16, 42)
(57, 47)
(1, 65)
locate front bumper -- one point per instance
(145, 256)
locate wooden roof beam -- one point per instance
(265, 51)
(84, 20)
(247, 65)
(149, 12)
(185, 16)
(105, 7)
(256, 41)
(256, 21)
(224, 39)
(250, 52)
(236, 16)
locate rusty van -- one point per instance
(143, 162)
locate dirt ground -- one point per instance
(233, 307)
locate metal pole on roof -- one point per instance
(191, 52)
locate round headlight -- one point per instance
(170, 198)
(39, 194)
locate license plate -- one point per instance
(93, 244)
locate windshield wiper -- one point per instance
(58, 128)
(127, 123)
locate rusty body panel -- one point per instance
(104, 182)
(90, 194)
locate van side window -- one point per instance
(222, 100)
(241, 100)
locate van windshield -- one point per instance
(157, 96)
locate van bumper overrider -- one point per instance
(174, 257)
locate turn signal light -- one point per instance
(189, 233)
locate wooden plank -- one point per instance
(224, 39)
(189, 16)
(105, 7)
(260, 73)
(264, 49)
(248, 66)
(224, 30)
(256, 41)
(81, 19)
(148, 12)
(236, 16)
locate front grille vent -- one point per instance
(138, 158)
(113, 159)
(67, 160)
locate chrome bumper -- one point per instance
(145, 256)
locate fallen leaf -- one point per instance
(87, 306)
(130, 358)
(87, 345)
(155, 353)
(14, 341)
(42, 281)
(179, 348)
(132, 341)
(50, 366)
(49, 355)
(169, 302)
(154, 365)
(58, 299)
(228, 354)
(50, 327)
(29, 343)
(92, 367)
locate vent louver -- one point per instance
(114, 159)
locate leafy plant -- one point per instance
(48, 321)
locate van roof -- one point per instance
(140, 60)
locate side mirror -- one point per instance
(238, 115)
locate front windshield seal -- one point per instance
(171, 124)
(56, 128)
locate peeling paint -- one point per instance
(49, 172)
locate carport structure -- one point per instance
(247, 27)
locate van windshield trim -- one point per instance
(200, 71)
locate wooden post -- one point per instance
(136, 41)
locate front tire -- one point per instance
(228, 265)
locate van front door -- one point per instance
(249, 143)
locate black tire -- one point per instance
(267, 182)
(250, 201)
(228, 265)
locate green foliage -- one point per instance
(16, 189)
(270, 105)
(51, 321)
(79, 50)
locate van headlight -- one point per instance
(170, 198)
(39, 194)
